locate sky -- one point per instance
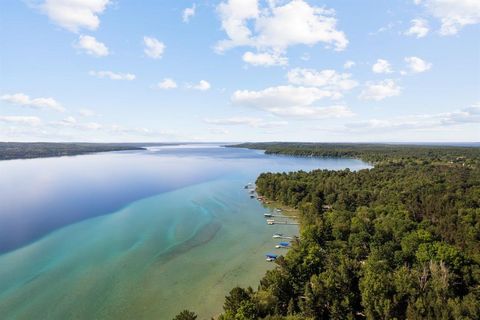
(240, 70)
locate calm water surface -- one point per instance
(139, 234)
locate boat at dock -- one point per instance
(283, 245)
(271, 257)
(281, 236)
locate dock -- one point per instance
(272, 222)
(268, 215)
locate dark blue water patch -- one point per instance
(39, 196)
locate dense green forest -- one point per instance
(27, 150)
(398, 241)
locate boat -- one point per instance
(267, 215)
(271, 257)
(282, 245)
(277, 235)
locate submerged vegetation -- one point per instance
(398, 241)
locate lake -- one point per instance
(136, 234)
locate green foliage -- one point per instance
(398, 241)
(27, 150)
(186, 315)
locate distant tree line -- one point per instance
(27, 150)
(398, 241)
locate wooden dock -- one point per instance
(283, 222)
(281, 216)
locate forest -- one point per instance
(28, 150)
(398, 241)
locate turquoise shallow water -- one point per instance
(182, 248)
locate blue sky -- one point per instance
(240, 70)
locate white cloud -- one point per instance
(167, 83)
(86, 112)
(74, 15)
(112, 75)
(92, 46)
(278, 26)
(382, 66)
(383, 29)
(453, 14)
(203, 85)
(40, 103)
(70, 120)
(417, 65)
(467, 115)
(349, 64)
(418, 28)
(422, 121)
(291, 101)
(328, 79)
(234, 15)
(265, 59)
(281, 96)
(247, 121)
(21, 120)
(305, 57)
(188, 13)
(380, 90)
(312, 112)
(153, 47)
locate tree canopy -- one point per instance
(398, 241)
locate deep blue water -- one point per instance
(39, 196)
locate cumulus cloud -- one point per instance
(91, 46)
(203, 85)
(468, 115)
(265, 59)
(380, 90)
(247, 121)
(327, 79)
(349, 64)
(277, 26)
(290, 101)
(417, 65)
(382, 66)
(112, 75)
(74, 15)
(188, 13)
(24, 100)
(153, 47)
(167, 84)
(419, 28)
(453, 14)
(21, 120)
